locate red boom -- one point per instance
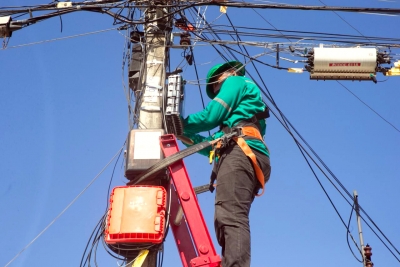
(201, 251)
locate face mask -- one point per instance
(218, 83)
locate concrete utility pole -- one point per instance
(360, 233)
(156, 32)
(150, 115)
(365, 250)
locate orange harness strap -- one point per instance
(252, 132)
(249, 153)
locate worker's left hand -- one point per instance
(185, 139)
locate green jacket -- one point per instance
(238, 99)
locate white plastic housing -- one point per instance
(345, 60)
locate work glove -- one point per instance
(185, 140)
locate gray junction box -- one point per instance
(143, 151)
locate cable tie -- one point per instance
(154, 62)
(150, 108)
(159, 87)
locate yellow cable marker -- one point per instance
(223, 9)
(140, 258)
(395, 71)
(295, 70)
(212, 152)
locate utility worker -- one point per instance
(242, 164)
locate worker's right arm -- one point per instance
(219, 109)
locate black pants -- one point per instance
(236, 187)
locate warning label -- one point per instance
(344, 64)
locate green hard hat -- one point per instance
(220, 68)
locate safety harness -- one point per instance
(246, 129)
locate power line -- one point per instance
(297, 143)
(312, 36)
(66, 208)
(59, 39)
(99, 229)
(379, 115)
(351, 91)
(304, 7)
(120, 17)
(284, 121)
(346, 21)
(188, 4)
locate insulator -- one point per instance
(185, 39)
(368, 254)
(180, 23)
(135, 66)
(137, 37)
(189, 59)
(308, 68)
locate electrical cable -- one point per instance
(96, 10)
(282, 31)
(255, 59)
(365, 104)
(90, 238)
(349, 196)
(93, 8)
(164, 78)
(119, 16)
(139, 92)
(186, 5)
(346, 21)
(197, 77)
(61, 38)
(305, 34)
(202, 34)
(327, 195)
(65, 209)
(112, 176)
(331, 40)
(98, 230)
(160, 165)
(346, 199)
(394, 11)
(347, 192)
(330, 180)
(127, 55)
(318, 180)
(347, 237)
(383, 242)
(271, 24)
(343, 188)
(334, 176)
(237, 35)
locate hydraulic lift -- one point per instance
(185, 218)
(191, 226)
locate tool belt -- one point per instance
(241, 132)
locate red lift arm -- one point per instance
(190, 232)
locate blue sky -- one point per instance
(64, 116)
